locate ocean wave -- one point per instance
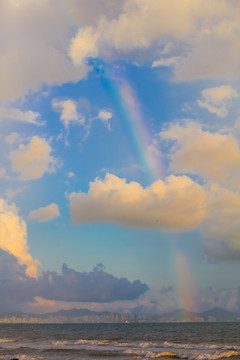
(147, 354)
(20, 357)
(166, 354)
(60, 343)
(82, 342)
(151, 350)
(187, 346)
(93, 342)
(216, 356)
(6, 340)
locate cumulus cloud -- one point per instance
(13, 236)
(213, 156)
(15, 114)
(68, 110)
(33, 48)
(96, 286)
(221, 225)
(84, 45)
(46, 213)
(205, 35)
(70, 286)
(178, 203)
(217, 100)
(16, 287)
(34, 159)
(216, 158)
(138, 27)
(33, 51)
(226, 298)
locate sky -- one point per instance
(120, 155)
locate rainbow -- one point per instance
(130, 111)
(185, 289)
(131, 114)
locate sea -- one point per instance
(194, 341)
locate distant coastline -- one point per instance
(87, 316)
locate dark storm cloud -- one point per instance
(96, 286)
(15, 286)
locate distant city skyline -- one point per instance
(78, 316)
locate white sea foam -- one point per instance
(6, 340)
(20, 357)
(145, 345)
(216, 355)
(82, 342)
(153, 350)
(167, 344)
(166, 354)
(60, 343)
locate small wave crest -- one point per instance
(20, 357)
(211, 347)
(152, 350)
(82, 342)
(166, 354)
(216, 355)
(6, 340)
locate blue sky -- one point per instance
(120, 137)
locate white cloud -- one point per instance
(33, 49)
(71, 174)
(221, 226)
(46, 213)
(217, 100)
(73, 112)
(13, 236)
(169, 61)
(34, 159)
(84, 45)
(213, 156)
(177, 204)
(21, 116)
(68, 111)
(105, 116)
(205, 35)
(216, 158)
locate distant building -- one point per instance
(135, 317)
(118, 318)
(149, 317)
(111, 317)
